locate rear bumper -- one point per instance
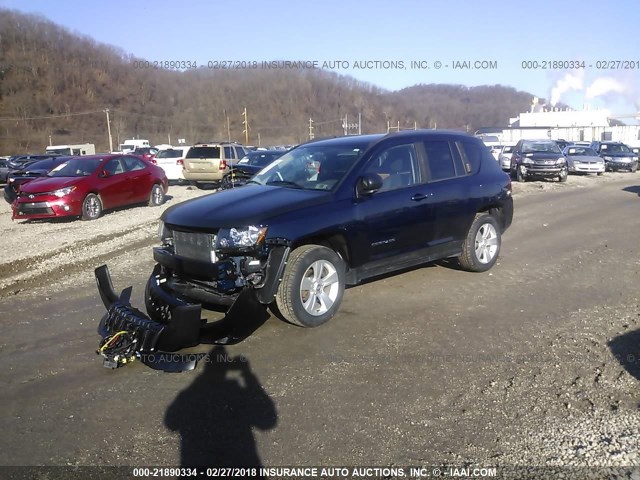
(196, 176)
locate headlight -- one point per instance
(63, 192)
(608, 158)
(164, 233)
(560, 161)
(527, 161)
(240, 237)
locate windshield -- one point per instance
(582, 151)
(61, 151)
(76, 168)
(260, 159)
(169, 154)
(615, 148)
(203, 152)
(316, 166)
(540, 147)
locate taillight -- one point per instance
(180, 162)
(223, 164)
(153, 160)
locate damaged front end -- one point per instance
(193, 270)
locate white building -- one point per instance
(573, 125)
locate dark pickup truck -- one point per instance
(295, 236)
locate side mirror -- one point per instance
(369, 184)
(104, 174)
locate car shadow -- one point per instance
(239, 322)
(632, 189)
(626, 349)
(216, 414)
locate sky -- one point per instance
(512, 43)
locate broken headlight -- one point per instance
(165, 234)
(240, 237)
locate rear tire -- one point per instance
(312, 286)
(481, 248)
(91, 207)
(600, 174)
(156, 197)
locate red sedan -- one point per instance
(85, 186)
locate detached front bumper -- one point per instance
(171, 324)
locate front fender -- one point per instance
(278, 257)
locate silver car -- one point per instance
(504, 157)
(581, 159)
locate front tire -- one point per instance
(482, 246)
(520, 176)
(91, 207)
(563, 176)
(312, 286)
(156, 196)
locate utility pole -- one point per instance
(106, 110)
(359, 123)
(259, 141)
(226, 123)
(245, 122)
(311, 134)
(346, 120)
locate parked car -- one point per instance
(171, 160)
(148, 153)
(18, 162)
(4, 169)
(504, 158)
(248, 166)
(538, 159)
(583, 160)
(30, 172)
(379, 204)
(617, 156)
(209, 162)
(85, 186)
(562, 144)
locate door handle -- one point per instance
(419, 197)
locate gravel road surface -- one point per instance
(533, 364)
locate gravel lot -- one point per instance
(43, 252)
(558, 398)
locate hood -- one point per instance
(49, 184)
(542, 156)
(617, 154)
(238, 207)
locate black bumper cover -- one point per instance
(178, 325)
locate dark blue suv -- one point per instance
(328, 214)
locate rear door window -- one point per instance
(440, 160)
